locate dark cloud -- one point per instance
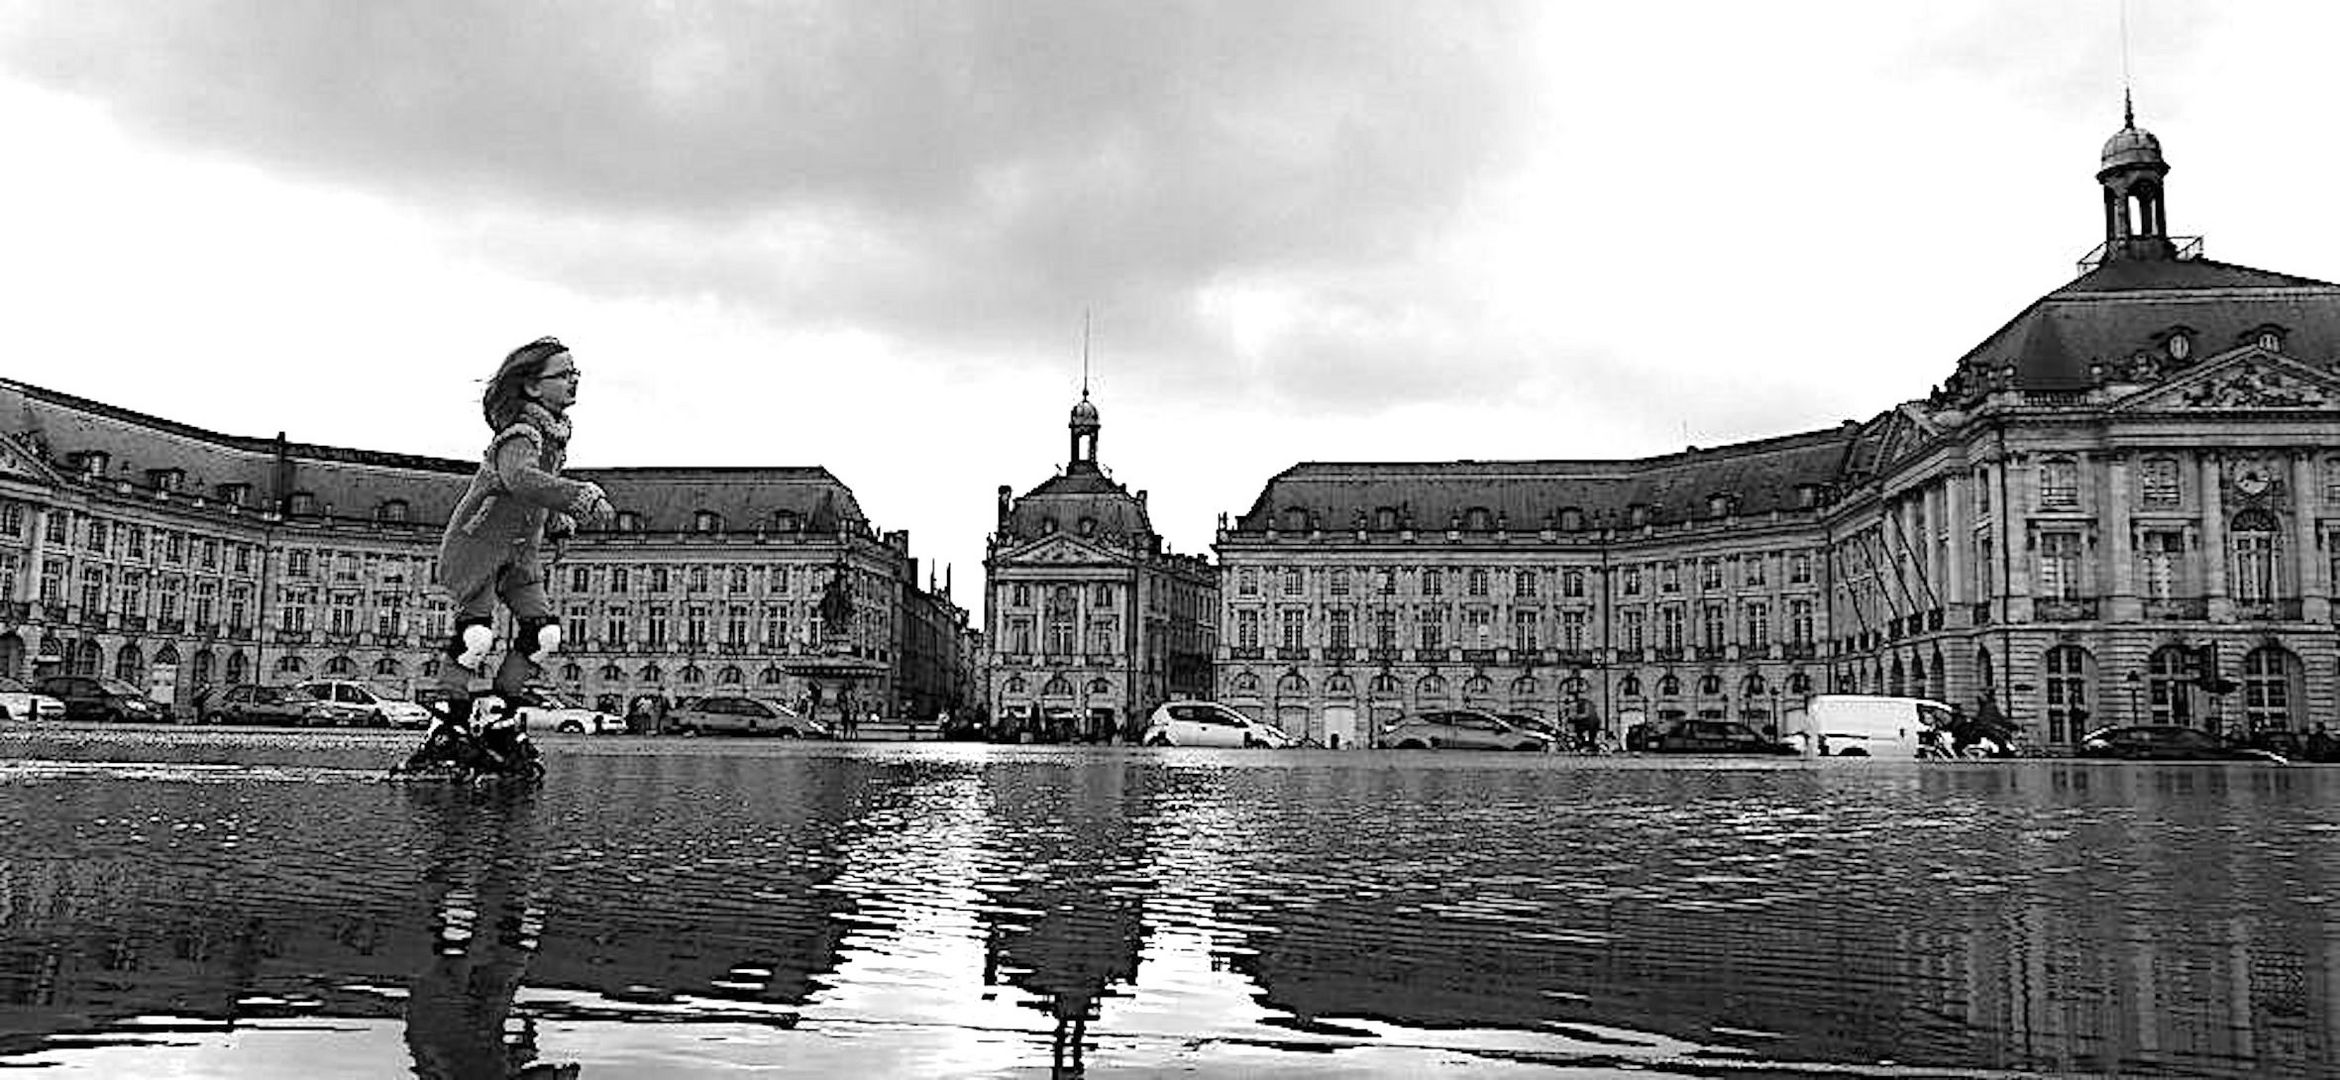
(963, 175)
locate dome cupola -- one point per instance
(2136, 213)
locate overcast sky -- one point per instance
(863, 235)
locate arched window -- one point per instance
(1754, 687)
(1669, 685)
(289, 664)
(1894, 684)
(387, 668)
(651, 674)
(2068, 672)
(341, 667)
(1099, 686)
(1340, 685)
(1478, 686)
(239, 669)
(2269, 686)
(88, 659)
(1800, 684)
(612, 673)
(202, 668)
(129, 665)
(1524, 687)
(691, 675)
(1629, 686)
(1431, 688)
(1017, 686)
(572, 673)
(1937, 683)
(2169, 674)
(1056, 686)
(770, 676)
(1710, 685)
(731, 675)
(1382, 684)
(1291, 685)
(2258, 557)
(1246, 683)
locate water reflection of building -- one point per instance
(141, 547)
(2138, 465)
(1069, 931)
(1090, 622)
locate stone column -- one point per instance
(2315, 593)
(1955, 558)
(2214, 541)
(2120, 544)
(2015, 535)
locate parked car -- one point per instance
(382, 708)
(21, 702)
(1716, 737)
(251, 703)
(2169, 742)
(92, 697)
(1208, 723)
(742, 716)
(1459, 729)
(552, 713)
(1537, 724)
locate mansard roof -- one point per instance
(2124, 310)
(1082, 491)
(353, 483)
(1756, 477)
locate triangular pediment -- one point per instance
(1059, 549)
(2250, 379)
(19, 463)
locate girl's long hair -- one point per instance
(507, 391)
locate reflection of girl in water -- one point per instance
(481, 883)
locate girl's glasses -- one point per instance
(570, 375)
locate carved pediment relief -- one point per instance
(2255, 386)
(17, 462)
(1058, 549)
(2248, 379)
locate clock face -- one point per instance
(2252, 481)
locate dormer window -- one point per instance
(1718, 506)
(235, 494)
(2180, 345)
(1047, 526)
(1295, 519)
(786, 521)
(706, 521)
(301, 504)
(2269, 338)
(1477, 519)
(1637, 515)
(1807, 495)
(1385, 518)
(92, 462)
(392, 510)
(1571, 519)
(165, 479)
(1088, 526)
(629, 521)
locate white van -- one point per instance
(1862, 725)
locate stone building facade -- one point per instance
(1090, 621)
(157, 552)
(2123, 506)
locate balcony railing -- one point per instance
(1387, 654)
(1241, 652)
(2267, 610)
(1338, 652)
(2195, 609)
(1478, 656)
(1291, 654)
(1666, 656)
(133, 622)
(292, 637)
(2082, 609)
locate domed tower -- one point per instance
(1084, 435)
(2136, 221)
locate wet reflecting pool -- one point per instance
(240, 904)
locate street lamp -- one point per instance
(2136, 716)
